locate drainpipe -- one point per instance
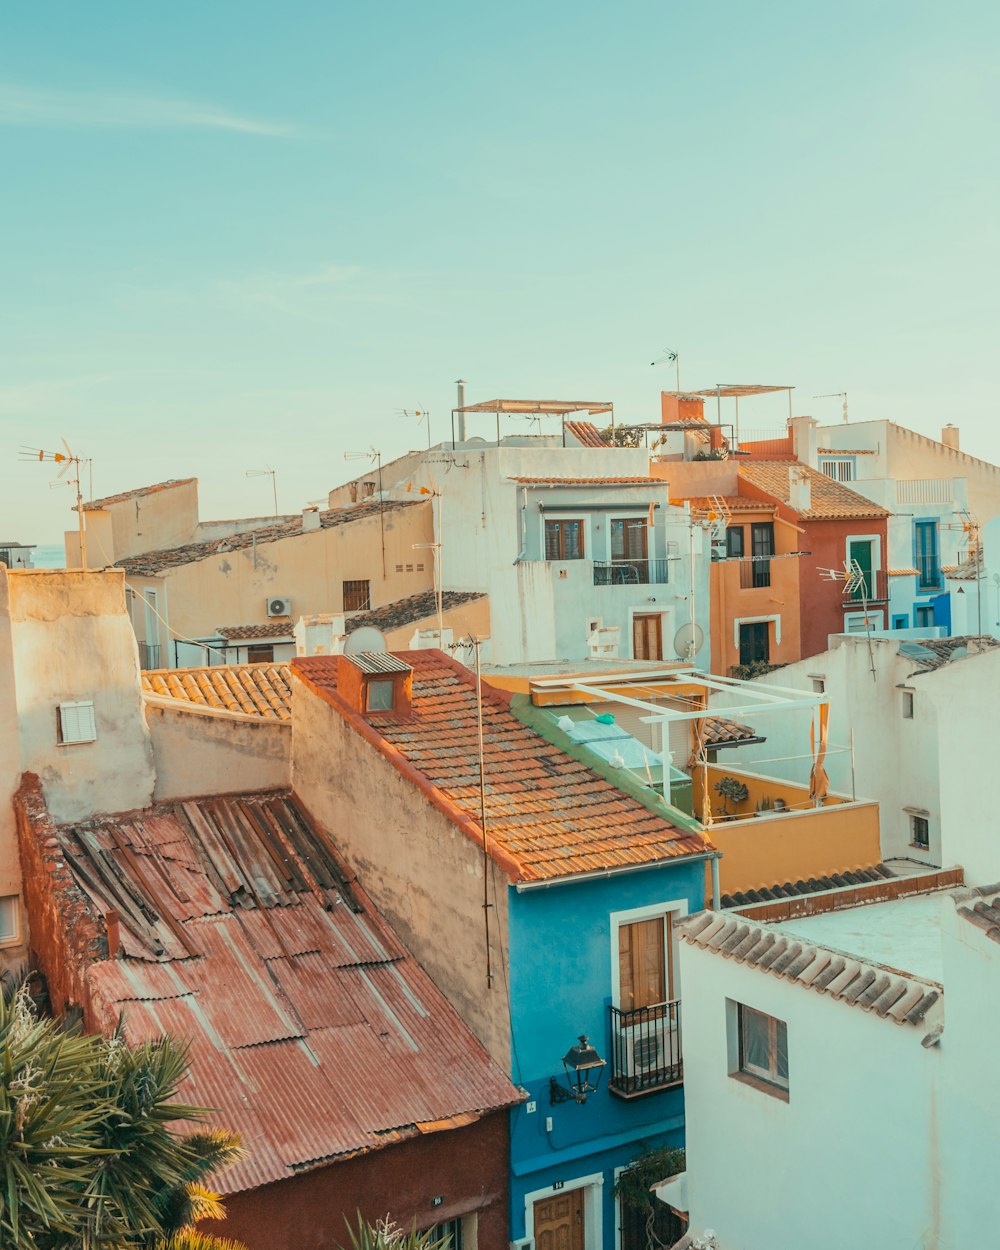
(716, 891)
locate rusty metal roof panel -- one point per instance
(313, 1032)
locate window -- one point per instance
(357, 596)
(380, 696)
(449, 1231)
(644, 971)
(75, 723)
(10, 913)
(908, 705)
(925, 550)
(755, 644)
(818, 685)
(920, 831)
(923, 617)
(260, 654)
(734, 542)
(564, 540)
(840, 470)
(901, 622)
(763, 1047)
(761, 548)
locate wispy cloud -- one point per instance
(24, 106)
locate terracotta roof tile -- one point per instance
(722, 732)
(586, 432)
(590, 481)
(95, 504)
(905, 999)
(412, 609)
(735, 503)
(312, 1031)
(903, 573)
(152, 562)
(548, 815)
(830, 500)
(814, 885)
(935, 653)
(253, 689)
(244, 633)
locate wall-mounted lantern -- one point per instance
(584, 1068)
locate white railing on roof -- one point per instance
(924, 490)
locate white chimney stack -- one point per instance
(949, 436)
(805, 440)
(799, 488)
(320, 635)
(310, 519)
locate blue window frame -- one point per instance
(926, 555)
(901, 622)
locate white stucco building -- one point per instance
(845, 1051)
(919, 715)
(580, 551)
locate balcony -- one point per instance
(149, 655)
(630, 572)
(875, 590)
(645, 1050)
(755, 572)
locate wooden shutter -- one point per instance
(642, 963)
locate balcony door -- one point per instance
(861, 551)
(755, 643)
(630, 548)
(645, 974)
(559, 1221)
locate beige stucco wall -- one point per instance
(72, 640)
(155, 522)
(10, 772)
(310, 569)
(423, 873)
(467, 619)
(208, 752)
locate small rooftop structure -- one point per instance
(561, 408)
(95, 505)
(931, 654)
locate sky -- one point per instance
(244, 235)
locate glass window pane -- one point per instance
(782, 1051)
(755, 1040)
(380, 696)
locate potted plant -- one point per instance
(732, 789)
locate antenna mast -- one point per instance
(67, 460)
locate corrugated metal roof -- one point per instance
(313, 1032)
(373, 663)
(890, 994)
(546, 811)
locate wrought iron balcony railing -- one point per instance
(630, 572)
(645, 1049)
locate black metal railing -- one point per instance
(645, 1049)
(755, 571)
(149, 655)
(630, 572)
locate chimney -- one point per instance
(310, 519)
(428, 638)
(675, 407)
(804, 440)
(949, 436)
(799, 488)
(375, 683)
(460, 405)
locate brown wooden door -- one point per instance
(647, 636)
(559, 1222)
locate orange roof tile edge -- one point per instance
(448, 807)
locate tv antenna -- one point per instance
(836, 395)
(855, 583)
(374, 456)
(274, 482)
(421, 414)
(68, 461)
(667, 357)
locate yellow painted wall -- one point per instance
(795, 796)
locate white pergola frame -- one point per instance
(766, 698)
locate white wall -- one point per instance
(848, 1159)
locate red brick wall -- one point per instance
(64, 937)
(465, 1167)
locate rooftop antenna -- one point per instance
(836, 395)
(438, 549)
(374, 456)
(670, 358)
(274, 482)
(68, 461)
(854, 579)
(421, 414)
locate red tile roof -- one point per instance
(251, 689)
(830, 500)
(313, 1032)
(590, 481)
(735, 503)
(586, 432)
(95, 504)
(244, 633)
(548, 815)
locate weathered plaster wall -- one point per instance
(154, 522)
(72, 641)
(10, 773)
(424, 874)
(209, 752)
(466, 1168)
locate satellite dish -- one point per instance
(364, 641)
(475, 442)
(688, 640)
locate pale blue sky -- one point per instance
(238, 235)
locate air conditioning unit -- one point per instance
(650, 1046)
(526, 1243)
(277, 606)
(719, 550)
